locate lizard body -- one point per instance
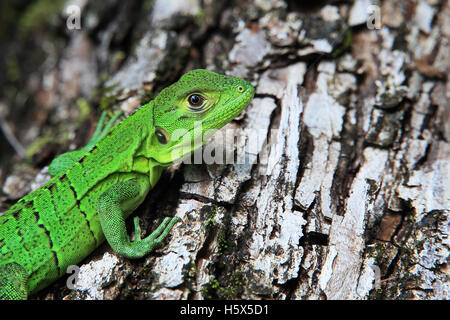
(93, 190)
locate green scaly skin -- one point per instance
(93, 190)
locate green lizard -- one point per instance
(93, 190)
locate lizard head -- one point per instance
(187, 113)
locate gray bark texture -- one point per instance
(340, 184)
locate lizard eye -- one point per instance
(195, 102)
(162, 136)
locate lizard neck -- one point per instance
(144, 161)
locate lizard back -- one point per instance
(57, 225)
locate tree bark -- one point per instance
(338, 188)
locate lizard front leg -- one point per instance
(113, 205)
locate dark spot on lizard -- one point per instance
(89, 226)
(125, 146)
(106, 161)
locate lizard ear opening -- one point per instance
(162, 136)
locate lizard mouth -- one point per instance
(230, 110)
